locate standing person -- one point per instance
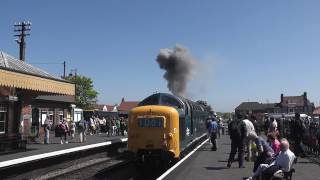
(237, 132)
(297, 133)
(215, 118)
(317, 127)
(97, 124)
(114, 127)
(64, 128)
(104, 124)
(221, 126)
(46, 126)
(273, 125)
(118, 126)
(208, 125)
(108, 126)
(72, 129)
(255, 125)
(213, 134)
(82, 130)
(92, 126)
(249, 129)
(101, 125)
(122, 126)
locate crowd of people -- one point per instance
(302, 132)
(110, 126)
(270, 153)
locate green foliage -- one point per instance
(86, 95)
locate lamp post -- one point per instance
(73, 74)
(75, 79)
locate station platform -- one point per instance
(205, 164)
(39, 151)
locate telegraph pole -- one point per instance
(64, 69)
(22, 28)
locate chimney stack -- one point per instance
(281, 97)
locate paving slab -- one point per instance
(39, 148)
(205, 164)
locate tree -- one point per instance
(86, 95)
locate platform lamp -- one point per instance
(71, 75)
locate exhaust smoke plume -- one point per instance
(179, 66)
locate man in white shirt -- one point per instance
(250, 129)
(283, 161)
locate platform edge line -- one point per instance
(181, 161)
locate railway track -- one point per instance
(108, 163)
(108, 169)
(121, 168)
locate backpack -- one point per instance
(81, 124)
(235, 129)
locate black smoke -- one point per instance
(179, 65)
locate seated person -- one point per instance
(283, 161)
(264, 149)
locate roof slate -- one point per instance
(128, 105)
(255, 106)
(12, 64)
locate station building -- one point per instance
(24, 89)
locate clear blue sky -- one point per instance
(249, 50)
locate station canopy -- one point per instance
(19, 74)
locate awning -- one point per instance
(35, 83)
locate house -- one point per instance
(287, 104)
(126, 106)
(20, 84)
(105, 107)
(256, 107)
(296, 104)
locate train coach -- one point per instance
(164, 126)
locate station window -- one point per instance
(3, 118)
(60, 115)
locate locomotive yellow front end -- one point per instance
(153, 130)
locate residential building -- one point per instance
(125, 107)
(288, 104)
